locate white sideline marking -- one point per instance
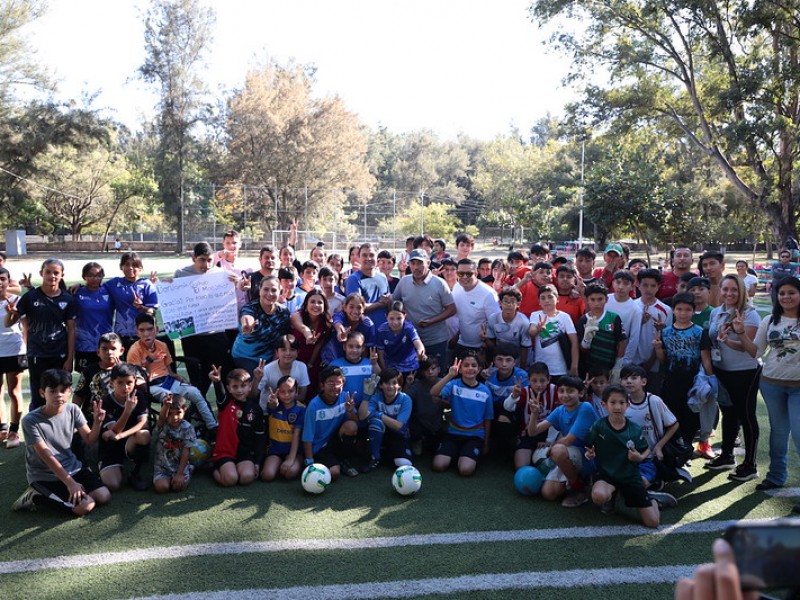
(452, 585)
(792, 492)
(79, 561)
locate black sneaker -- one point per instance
(349, 469)
(744, 472)
(25, 502)
(721, 463)
(371, 465)
(656, 485)
(663, 499)
(137, 483)
(767, 485)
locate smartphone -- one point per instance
(767, 553)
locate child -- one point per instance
(572, 419)
(131, 297)
(655, 316)
(327, 281)
(94, 308)
(503, 378)
(357, 369)
(570, 298)
(700, 288)
(684, 348)
(48, 322)
(621, 303)
(554, 334)
(176, 437)
(56, 477)
(471, 416)
(289, 298)
(153, 356)
(517, 261)
(657, 422)
(600, 332)
(308, 278)
(241, 439)
(427, 414)
(13, 362)
(95, 380)
(125, 435)
(285, 424)
(597, 381)
(509, 326)
(350, 318)
(387, 414)
(398, 342)
(286, 364)
(330, 426)
(619, 450)
(521, 400)
(386, 262)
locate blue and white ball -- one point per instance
(199, 453)
(407, 480)
(315, 478)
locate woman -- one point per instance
(312, 326)
(750, 280)
(95, 315)
(738, 372)
(261, 323)
(777, 341)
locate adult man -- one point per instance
(783, 268)
(712, 266)
(370, 283)
(475, 303)
(681, 264)
(428, 304)
(268, 258)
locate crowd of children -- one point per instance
(602, 378)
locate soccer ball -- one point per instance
(315, 478)
(528, 481)
(199, 453)
(406, 480)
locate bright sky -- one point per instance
(472, 66)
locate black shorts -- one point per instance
(57, 494)
(13, 364)
(112, 454)
(84, 359)
(327, 456)
(397, 445)
(635, 495)
(456, 446)
(526, 442)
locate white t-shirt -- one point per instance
(782, 362)
(750, 280)
(11, 342)
(728, 358)
(548, 350)
(473, 309)
(653, 425)
(630, 313)
(272, 374)
(651, 314)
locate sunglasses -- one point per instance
(465, 273)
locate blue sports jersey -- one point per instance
(501, 388)
(371, 288)
(122, 292)
(334, 349)
(354, 376)
(470, 407)
(322, 420)
(400, 409)
(577, 422)
(261, 343)
(398, 348)
(95, 317)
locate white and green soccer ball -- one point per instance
(315, 478)
(407, 480)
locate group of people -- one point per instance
(598, 376)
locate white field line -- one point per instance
(453, 585)
(792, 492)
(80, 561)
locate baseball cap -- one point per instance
(614, 248)
(417, 254)
(699, 282)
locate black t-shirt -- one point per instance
(47, 322)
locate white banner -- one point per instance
(198, 304)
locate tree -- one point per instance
(726, 76)
(435, 220)
(292, 148)
(17, 69)
(177, 35)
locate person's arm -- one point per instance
(296, 320)
(75, 489)
(308, 449)
(705, 357)
(658, 449)
(575, 352)
(381, 362)
(452, 373)
(90, 436)
(448, 312)
(292, 456)
(658, 347)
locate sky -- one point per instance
(455, 66)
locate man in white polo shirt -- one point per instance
(475, 303)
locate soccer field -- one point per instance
(458, 538)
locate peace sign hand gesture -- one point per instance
(215, 374)
(453, 371)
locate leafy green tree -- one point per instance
(725, 76)
(17, 68)
(177, 36)
(435, 220)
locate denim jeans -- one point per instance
(193, 395)
(783, 407)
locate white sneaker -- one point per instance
(25, 502)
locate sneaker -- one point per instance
(744, 472)
(25, 502)
(349, 469)
(663, 499)
(737, 443)
(608, 507)
(704, 450)
(574, 500)
(656, 485)
(767, 485)
(684, 474)
(12, 441)
(721, 463)
(3, 435)
(371, 465)
(137, 483)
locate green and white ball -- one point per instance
(315, 478)
(407, 480)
